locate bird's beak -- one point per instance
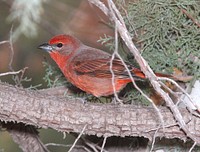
(46, 47)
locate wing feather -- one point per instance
(96, 63)
(100, 68)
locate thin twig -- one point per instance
(170, 90)
(111, 65)
(3, 42)
(192, 147)
(179, 87)
(16, 79)
(166, 126)
(10, 73)
(79, 136)
(128, 19)
(11, 50)
(112, 7)
(57, 145)
(93, 146)
(104, 143)
(63, 145)
(64, 135)
(154, 139)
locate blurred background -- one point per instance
(33, 23)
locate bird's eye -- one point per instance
(59, 45)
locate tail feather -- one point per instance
(164, 75)
(140, 74)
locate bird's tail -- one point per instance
(138, 73)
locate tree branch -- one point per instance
(71, 115)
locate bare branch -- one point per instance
(192, 103)
(93, 146)
(192, 147)
(10, 73)
(79, 136)
(3, 42)
(71, 115)
(111, 66)
(154, 140)
(103, 145)
(64, 145)
(11, 50)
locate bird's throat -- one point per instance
(60, 60)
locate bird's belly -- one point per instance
(97, 86)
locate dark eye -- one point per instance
(59, 45)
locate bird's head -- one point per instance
(61, 45)
(61, 48)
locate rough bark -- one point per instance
(71, 115)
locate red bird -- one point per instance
(89, 68)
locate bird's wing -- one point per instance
(100, 68)
(96, 63)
